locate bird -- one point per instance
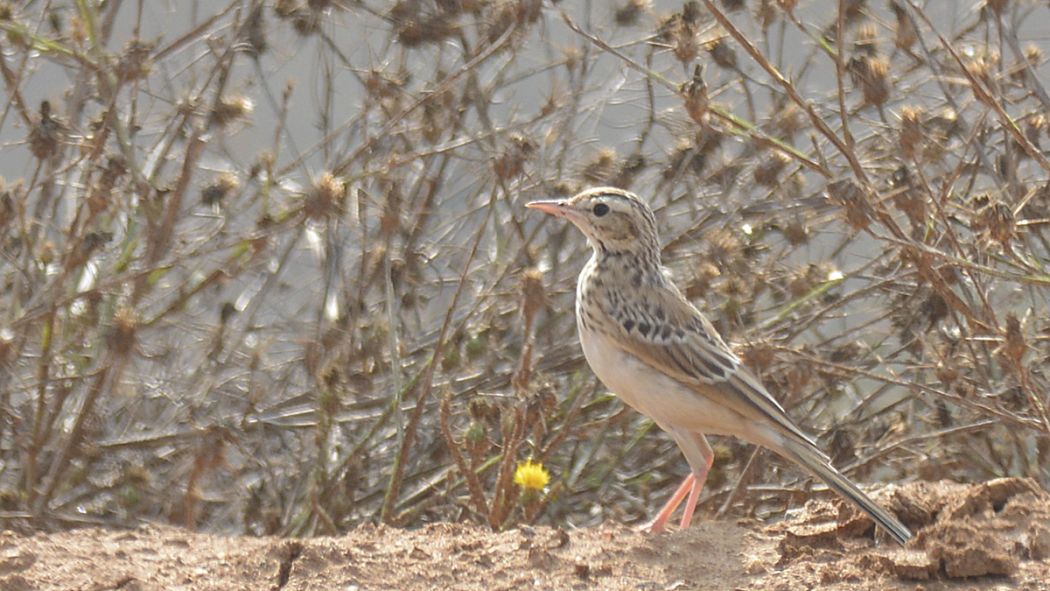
(659, 354)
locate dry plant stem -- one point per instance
(840, 72)
(161, 240)
(112, 369)
(940, 435)
(1031, 78)
(741, 482)
(505, 492)
(985, 96)
(39, 423)
(745, 127)
(13, 91)
(477, 494)
(566, 425)
(790, 89)
(852, 373)
(1035, 397)
(394, 486)
(394, 120)
(392, 339)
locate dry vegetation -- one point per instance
(264, 265)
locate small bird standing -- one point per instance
(659, 354)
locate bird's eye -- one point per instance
(600, 209)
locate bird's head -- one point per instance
(615, 221)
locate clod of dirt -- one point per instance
(984, 532)
(1037, 540)
(980, 530)
(964, 551)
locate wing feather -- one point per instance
(680, 342)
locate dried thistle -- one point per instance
(1033, 56)
(852, 199)
(866, 41)
(511, 162)
(947, 374)
(101, 195)
(501, 18)
(721, 53)
(1014, 345)
(847, 352)
(135, 62)
(910, 137)
(306, 22)
(602, 168)
(628, 14)
(907, 198)
(325, 197)
(1034, 128)
(46, 253)
(998, 220)
(704, 277)
(983, 65)
(997, 6)
(796, 232)
(767, 172)
(631, 168)
(933, 309)
(871, 74)
(231, 108)
(681, 32)
(905, 34)
(7, 205)
(766, 13)
(805, 280)
(695, 92)
(758, 356)
(533, 295)
(419, 30)
(7, 341)
(286, 9)
(217, 190)
(724, 245)
(122, 335)
(476, 440)
(46, 134)
(788, 121)
(854, 10)
(937, 129)
(437, 115)
(685, 157)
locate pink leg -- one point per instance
(657, 525)
(700, 457)
(694, 494)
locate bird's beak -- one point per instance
(555, 207)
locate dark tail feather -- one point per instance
(813, 460)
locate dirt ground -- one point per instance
(994, 535)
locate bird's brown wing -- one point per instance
(672, 336)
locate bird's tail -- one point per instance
(816, 462)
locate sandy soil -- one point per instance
(994, 535)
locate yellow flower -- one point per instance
(531, 476)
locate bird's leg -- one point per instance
(657, 525)
(700, 457)
(698, 481)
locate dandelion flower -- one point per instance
(531, 476)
